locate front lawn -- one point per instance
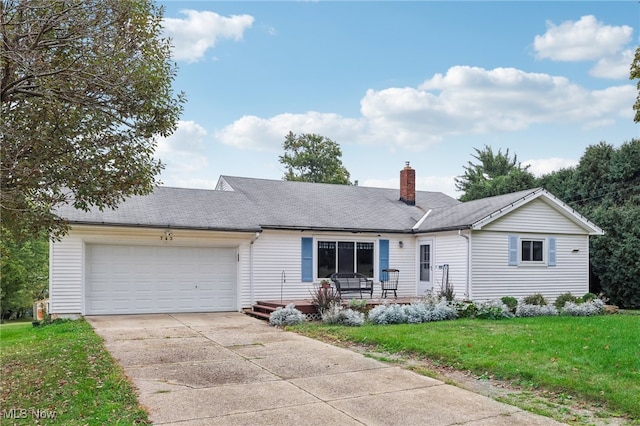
(596, 359)
(62, 374)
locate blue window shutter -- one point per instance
(384, 256)
(307, 260)
(513, 250)
(551, 260)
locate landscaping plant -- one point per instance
(288, 315)
(336, 314)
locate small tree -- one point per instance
(495, 174)
(313, 158)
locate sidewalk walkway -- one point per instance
(230, 369)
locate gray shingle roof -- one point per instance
(174, 208)
(464, 215)
(248, 204)
(285, 204)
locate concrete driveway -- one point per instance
(231, 369)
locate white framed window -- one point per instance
(531, 250)
(526, 250)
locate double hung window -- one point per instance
(532, 251)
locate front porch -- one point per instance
(262, 309)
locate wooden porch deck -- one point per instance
(262, 309)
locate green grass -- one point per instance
(62, 369)
(596, 359)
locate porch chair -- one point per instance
(389, 281)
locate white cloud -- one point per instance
(586, 39)
(199, 31)
(614, 67)
(464, 101)
(183, 153)
(267, 134)
(543, 166)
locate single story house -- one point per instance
(193, 250)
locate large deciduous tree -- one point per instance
(86, 88)
(494, 174)
(313, 158)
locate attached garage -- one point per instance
(129, 279)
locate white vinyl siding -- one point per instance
(278, 252)
(403, 259)
(535, 217)
(493, 278)
(66, 263)
(451, 249)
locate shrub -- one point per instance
(466, 309)
(443, 311)
(336, 314)
(564, 298)
(535, 299)
(323, 298)
(414, 313)
(589, 297)
(388, 314)
(359, 305)
(511, 302)
(288, 315)
(528, 310)
(586, 309)
(493, 309)
(447, 291)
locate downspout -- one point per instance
(468, 272)
(251, 293)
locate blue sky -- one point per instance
(425, 82)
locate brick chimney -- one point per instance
(408, 185)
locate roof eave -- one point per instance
(165, 226)
(335, 229)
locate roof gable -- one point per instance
(478, 214)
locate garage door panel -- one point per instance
(144, 279)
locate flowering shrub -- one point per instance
(493, 309)
(527, 310)
(286, 316)
(587, 309)
(336, 314)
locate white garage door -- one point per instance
(122, 279)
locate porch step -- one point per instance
(260, 311)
